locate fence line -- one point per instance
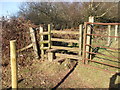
(84, 43)
(84, 50)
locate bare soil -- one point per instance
(44, 74)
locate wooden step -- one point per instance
(59, 59)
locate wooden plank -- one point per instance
(80, 38)
(34, 43)
(109, 34)
(89, 38)
(45, 41)
(65, 40)
(49, 36)
(22, 49)
(84, 43)
(44, 33)
(51, 50)
(61, 59)
(116, 32)
(44, 48)
(64, 32)
(50, 56)
(68, 56)
(41, 44)
(65, 48)
(13, 59)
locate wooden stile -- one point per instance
(13, 64)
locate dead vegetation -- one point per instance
(15, 29)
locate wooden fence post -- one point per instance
(49, 36)
(116, 32)
(41, 44)
(89, 38)
(109, 33)
(34, 43)
(80, 39)
(13, 63)
(84, 42)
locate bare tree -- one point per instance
(66, 14)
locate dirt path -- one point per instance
(45, 75)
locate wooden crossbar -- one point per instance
(65, 40)
(66, 48)
(68, 56)
(64, 32)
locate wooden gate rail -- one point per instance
(44, 33)
(66, 48)
(65, 40)
(65, 32)
(68, 56)
(45, 41)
